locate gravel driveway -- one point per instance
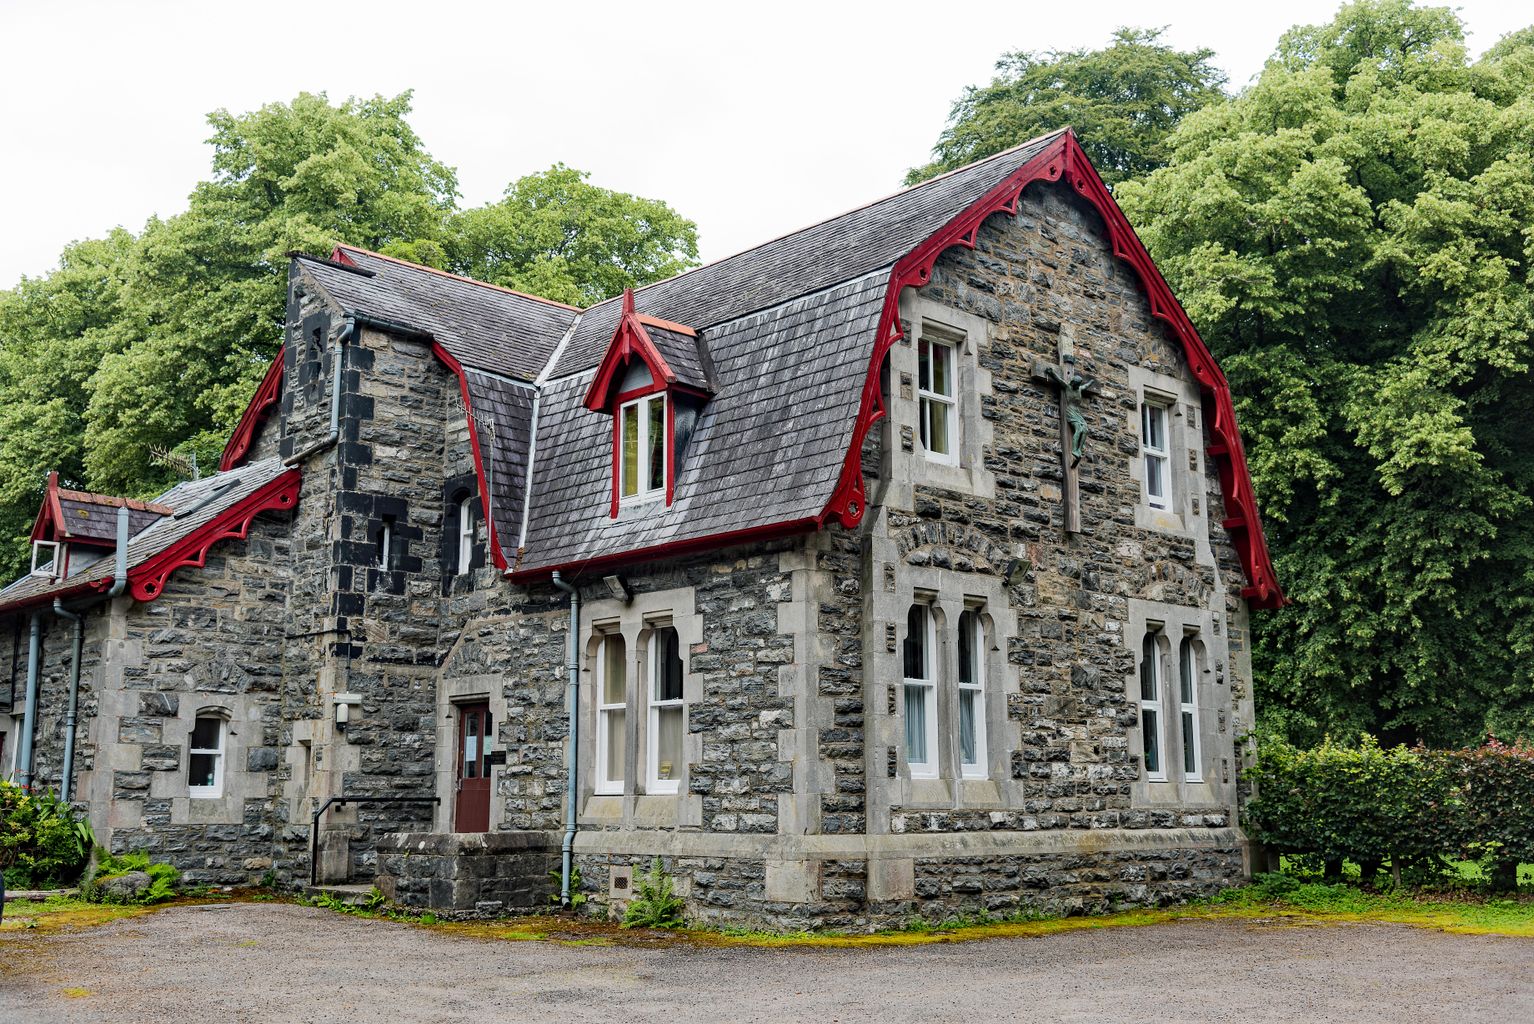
(272, 963)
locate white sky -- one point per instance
(752, 119)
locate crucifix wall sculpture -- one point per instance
(1072, 389)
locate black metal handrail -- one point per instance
(340, 801)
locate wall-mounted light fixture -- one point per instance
(343, 704)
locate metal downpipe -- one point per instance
(72, 714)
(29, 723)
(572, 739)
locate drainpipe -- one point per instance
(29, 723)
(346, 333)
(572, 740)
(72, 716)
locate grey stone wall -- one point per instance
(468, 875)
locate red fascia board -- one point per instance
(1065, 160)
(665, 325)
(256, 413)
(629, 340)
(671, 549)
(50, 514)
(147, 581)
(498, 558)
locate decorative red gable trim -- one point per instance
(630, 341)
(147, 581)
(497, 557)
(256, 413)
(1066, 160)
(51, 514)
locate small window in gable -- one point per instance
(936, 365)
(1155, 421)
(46, 560)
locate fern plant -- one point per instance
(577, 897)
(655, 903)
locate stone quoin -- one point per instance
(843, 659)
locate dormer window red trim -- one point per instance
(644, 417)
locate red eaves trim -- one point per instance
(147, 581)
(671, 549)
(256, 413)
(498, 559)
(1065, 160)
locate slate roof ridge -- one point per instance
(835, 216)
(456, 277)
(702, 341)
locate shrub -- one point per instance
(655, 904)
(1414, 808)
(163, 879)
(41, 842)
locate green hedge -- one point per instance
(1414, 808)
(41, 843)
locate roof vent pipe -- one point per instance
(572, 737)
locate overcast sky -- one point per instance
(752, 119)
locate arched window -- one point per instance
(205, 760)
(667, 713)
(1150, 708)
(1187, 700)
(920, 693)
(971, 695)
(612, 713)
(466, 534)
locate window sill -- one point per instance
(1162, 521)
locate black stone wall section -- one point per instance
(469, 874)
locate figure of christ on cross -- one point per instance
(1073, 389)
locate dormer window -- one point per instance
(643, 451)
(46, 560)
(654, 382)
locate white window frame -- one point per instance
(930, 402)
(927, 682)
(216, 790)
(603, 785)
(645, 491)
(1187, 708)
(51, 568)
(466, 535)
(653, 782)
(1154, 457)
(386, 543)
(1150, 703)
(971, 622)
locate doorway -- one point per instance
(476, 731)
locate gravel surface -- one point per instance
(272, 963)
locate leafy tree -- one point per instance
(1122, 100)
(557, 235)
(158, 340)
(1351, 235)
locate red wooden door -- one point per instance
(475, 731)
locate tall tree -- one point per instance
(1122, 100)
(157, 340)
(1351, 235)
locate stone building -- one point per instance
(909, 559)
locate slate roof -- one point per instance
(194, 504)
(480, 325)
(93, 517)
(685, 354)
(811, 260)
(767, 448)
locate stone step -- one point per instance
(354, 895)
